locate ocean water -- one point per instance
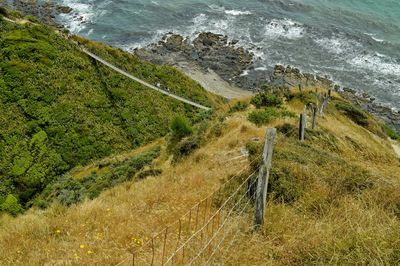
(354, 42)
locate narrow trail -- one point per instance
(144, 83)
(95, 57)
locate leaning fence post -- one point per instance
(302, 126)
(324, 104)
(314, 117)
(262, 182)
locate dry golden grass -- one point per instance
(325, 225)
(108, 225)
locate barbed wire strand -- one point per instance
(196, 205)
(208, 222)
(226, 219)
(222, 206)
(225, 235)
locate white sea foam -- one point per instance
(156, 37)
(285, 28)
(232, 12)
(82, 14)
(376, 64)
(237, 12)
(202, 23)
(373, 36)
(261, 68)
(377, 40)
(338, 45)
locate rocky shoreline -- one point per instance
(293, 77)
(46, 11)
(235, 65)
(214, 53)
(208, 50)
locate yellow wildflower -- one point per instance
(89, 252)
(82, 246)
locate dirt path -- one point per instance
(396, 147)
(144, 83)
(212, 82)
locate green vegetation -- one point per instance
(266, 99)
(390, 132)
(3, 11)
(262, 117)
(269, 107)
(68, 190)
(185, 139)
(292, 173)
(267, 115)
(60, 109)
(239, 107)
(357, 115)
(332, 199)
(180, 128)
(11, 205)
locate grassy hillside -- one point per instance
(60, 109)
(333, 199)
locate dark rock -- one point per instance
(209, 50)
(45, 11)
(235, 65)
(63, 9)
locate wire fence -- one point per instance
(205, 233)
(209, 230)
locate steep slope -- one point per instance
(60, 109)
(332, 199)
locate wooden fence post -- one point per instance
(305, 116)
(302, 126)
(314, 117)
(262, 182)
(324, 104)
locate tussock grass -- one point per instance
(334, 199)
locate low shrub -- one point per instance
(186, 147)
(284, 186)
(305, 97)
(350, 180)
(391, 133)
(262, 117)
(180, 127)
(267, 115)
(238, 107)
(11, 205)
(355, 114)
(3, 11)
(288, 130)
(68, 190)
(266, 99)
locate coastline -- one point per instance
(221, 66)
(211, 57)
(45, 12)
